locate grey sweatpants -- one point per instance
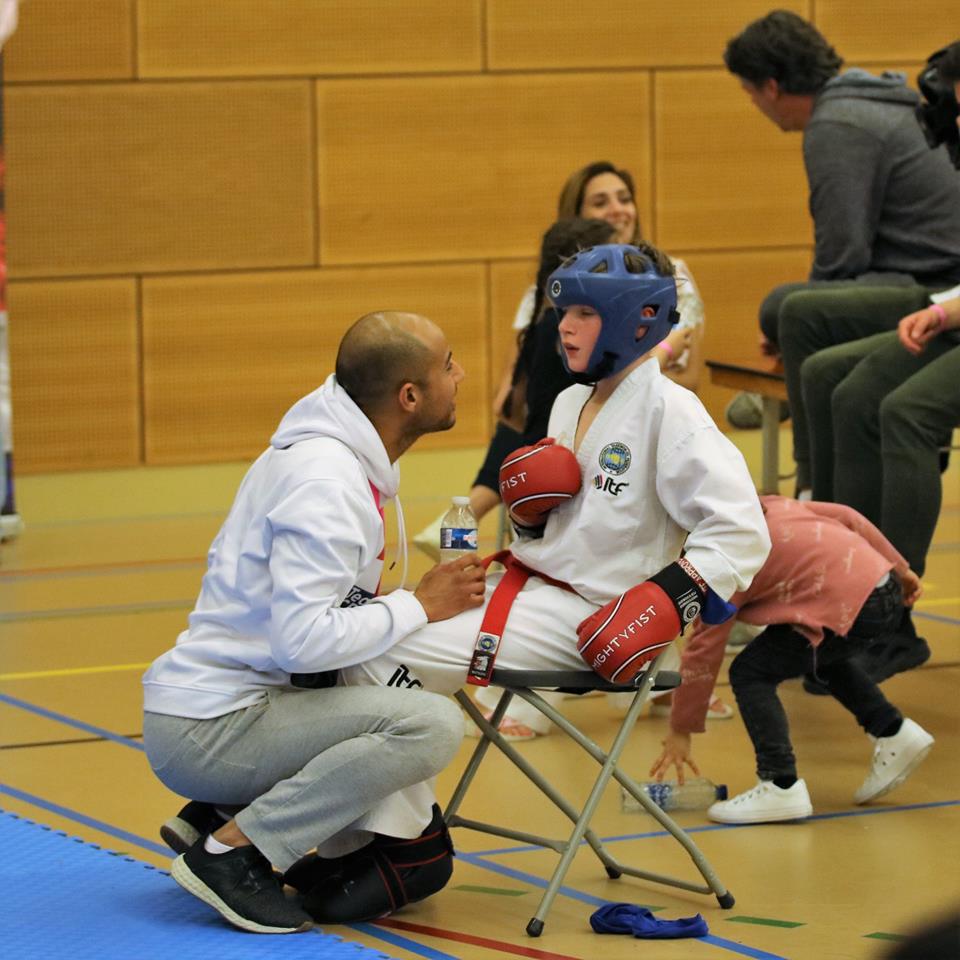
(310, 765)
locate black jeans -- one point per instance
(781, 653)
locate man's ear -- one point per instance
(408, 397)
(771, 87)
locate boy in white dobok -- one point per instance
(633, 517)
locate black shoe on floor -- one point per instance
(242, 887)
(194, 821)
(384, 876)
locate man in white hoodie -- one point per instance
(242, 714)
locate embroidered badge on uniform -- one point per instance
(615, 458)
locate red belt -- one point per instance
(498, 609)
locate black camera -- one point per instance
(938, 115)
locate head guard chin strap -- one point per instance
(600, 278)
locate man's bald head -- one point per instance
(381, 352)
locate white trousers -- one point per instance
(540, 634)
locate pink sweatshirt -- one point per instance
(824, 562)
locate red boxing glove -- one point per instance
(534, 480)
(628, 632)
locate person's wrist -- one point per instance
(940, 313)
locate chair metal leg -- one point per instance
(609, 770)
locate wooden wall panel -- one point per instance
(733, 284)
(75, 374)
(159, 177)
(431, 169)
(564, 34)
(726, 176)
(306, 37)
(226, 356)
(71, 40)
(886, 29)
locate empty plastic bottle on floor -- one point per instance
(458, 531)
(696, 793)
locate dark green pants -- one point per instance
(878, 416)
(814, 317)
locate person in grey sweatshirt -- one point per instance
(885, 208)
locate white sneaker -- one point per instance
(894, 759)
(765, 803)
(428, 539)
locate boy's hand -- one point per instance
(676, 753)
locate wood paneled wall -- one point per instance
(202, 196)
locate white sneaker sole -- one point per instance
(193, 884)
(898, 778)
(179, 835)
(759, 816)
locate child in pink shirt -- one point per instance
(831, 584)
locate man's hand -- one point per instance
(676, 753)
(916, 330)
(912, 588)
(450, 588)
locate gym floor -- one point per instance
(100, 582)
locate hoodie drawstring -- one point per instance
(401, 545)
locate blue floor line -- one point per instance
(939, 617)
(77, 817)
(70, 721)
(707, 828)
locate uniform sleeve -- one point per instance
(324, 535)
(699, 667)
(703, 483)
(860, 525)
(846, 170)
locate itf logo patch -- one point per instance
(615, 458)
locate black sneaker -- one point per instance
(384, 876)
(194, 821)
(241, 887)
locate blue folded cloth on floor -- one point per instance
(639, 921)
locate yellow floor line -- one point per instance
(73, 671)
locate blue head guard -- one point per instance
(600, 277)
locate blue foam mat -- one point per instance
(64, 897)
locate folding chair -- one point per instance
(521, 683)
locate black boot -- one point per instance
(384, 876)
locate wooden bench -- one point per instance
(762, 375)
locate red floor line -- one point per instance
(475, 941)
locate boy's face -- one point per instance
(579, 329)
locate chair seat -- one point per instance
(577, 681)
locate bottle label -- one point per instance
(659, 793)
(458, 538)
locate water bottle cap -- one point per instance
(462, 501)
(721, 791)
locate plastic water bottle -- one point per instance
(458, 531)
(696, 793)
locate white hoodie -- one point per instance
(292, 568)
